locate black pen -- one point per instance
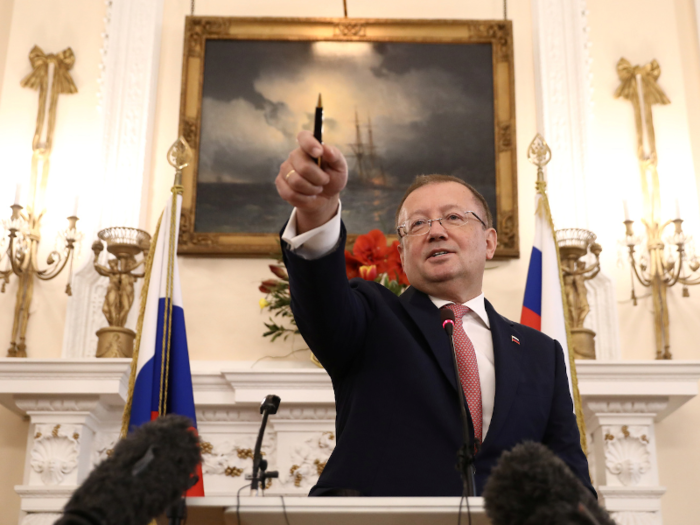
(318, 125)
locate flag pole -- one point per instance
(540, 154)
(179, 156)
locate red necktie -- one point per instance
(468, 368)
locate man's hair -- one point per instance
(424, 180)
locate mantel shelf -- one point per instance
(65, 398)
(219, 383)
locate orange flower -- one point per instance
(368, 273)
(352, 265)
(394, 267)
(371, 250)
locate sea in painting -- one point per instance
(395, 110)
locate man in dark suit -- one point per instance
(398, 424)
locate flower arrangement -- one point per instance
(370, 259)
(278, 302)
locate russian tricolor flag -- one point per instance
(163, 383)
(543, 305)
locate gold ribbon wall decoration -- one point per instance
(639, 86)
(61, 83)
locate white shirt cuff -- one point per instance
(315, 243)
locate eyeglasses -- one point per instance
(420, 226)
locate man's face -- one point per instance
(448, 264)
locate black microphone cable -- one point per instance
(238, 506)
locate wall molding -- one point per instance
(128, 82)
(76, 406)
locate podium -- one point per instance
(268, 510)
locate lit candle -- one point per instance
(18, 193)
(75, 206)
(627, 211)
(678, 209)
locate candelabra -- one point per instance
(657, 265)
(125, 244)
(22, 232)
(21, 239)
(574, 245)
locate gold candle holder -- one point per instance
(574, 245)
(125, 244)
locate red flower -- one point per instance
(268, 285)
(352, 265)
(394, 267)
(368, 273)
(371, 250)
(279, 272)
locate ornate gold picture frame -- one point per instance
(401, 97)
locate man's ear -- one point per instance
(491, 243)
(400, 248)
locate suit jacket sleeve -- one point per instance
(331, 315)
(562, 435)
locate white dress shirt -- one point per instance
(476, 324)
(322, 240)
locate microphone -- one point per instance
(268, 406)
(447, 317)
(531, 485)
(148, 471)
(465, 455)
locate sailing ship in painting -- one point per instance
(368, 166)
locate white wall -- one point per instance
(5, 19)
(221, 296)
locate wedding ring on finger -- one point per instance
(286, 177)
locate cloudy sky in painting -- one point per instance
(431, 106)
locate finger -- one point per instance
(309, 144)
(300, 184)
(307, 168)
(292, 197)
(333, 158)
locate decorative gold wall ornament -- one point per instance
(656, 264)
(19, 244)
(61, 83)
(233, 472)
(125, 244)
(574, 245)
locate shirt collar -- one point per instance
(476, 305)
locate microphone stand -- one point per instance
(465, 455)
(260, 475)
(177, 512)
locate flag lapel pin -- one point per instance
(515, 339)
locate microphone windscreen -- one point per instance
(271, 403)
(531, 485)
(147, 472)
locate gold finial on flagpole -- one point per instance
(179, 157)
(539, 154)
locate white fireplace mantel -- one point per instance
(75, 406)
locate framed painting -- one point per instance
(401, 98)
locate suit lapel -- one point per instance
(507, 362)
(426, 315)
